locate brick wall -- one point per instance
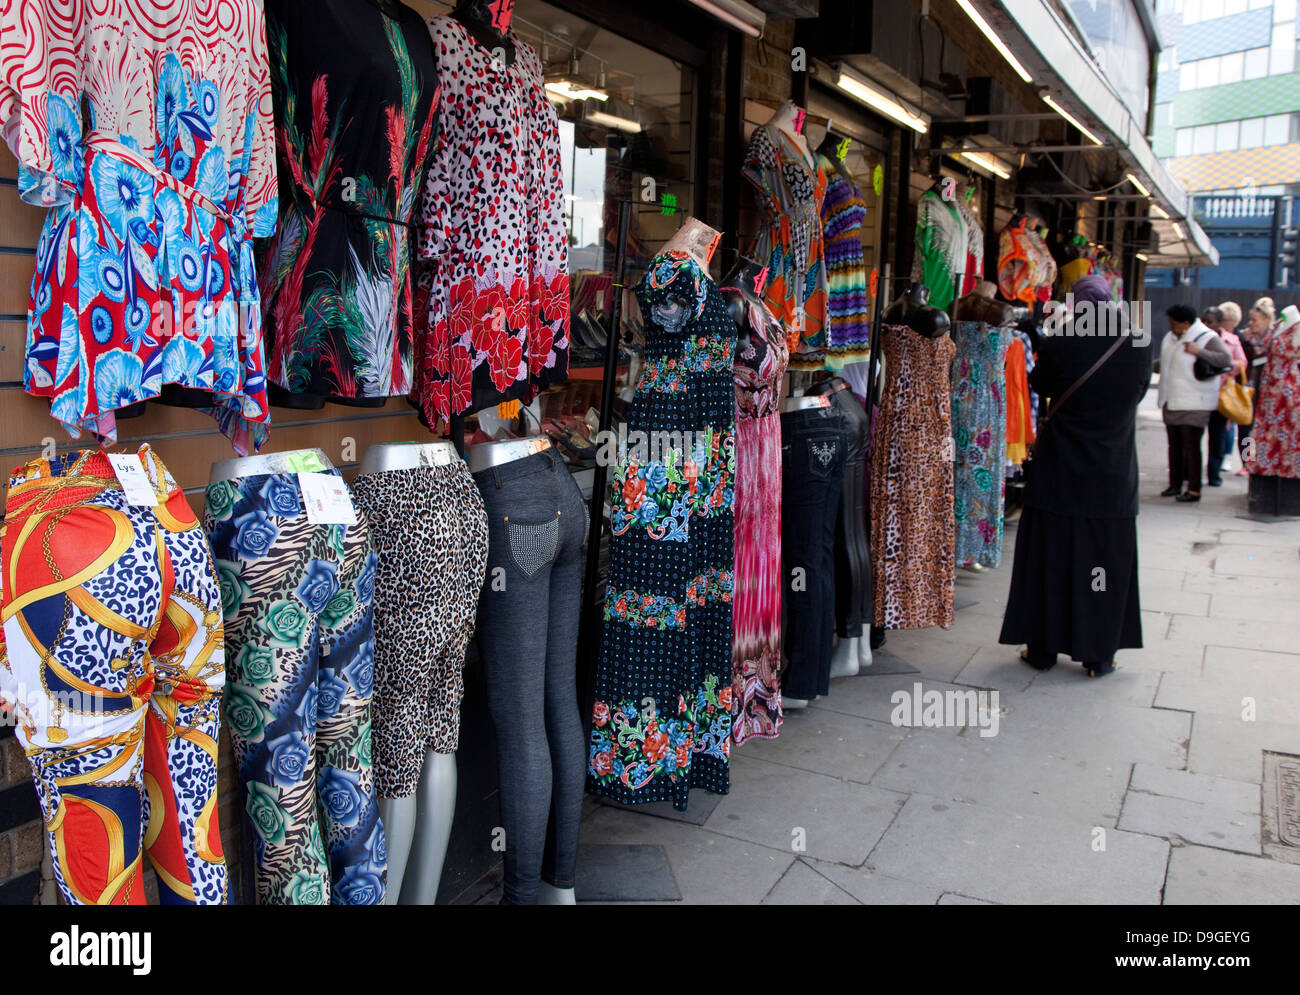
(22, 836)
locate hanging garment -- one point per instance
(789, 191)
(431, 536)
(974, 266)
(297, 599)
(979, 432)
(494, 270)
(1026, 270)
(1020, 403)
(760, 363)
(662, 717)
(115, 607)
(1070, 272)
(848, 327)
(912, 525)
(144, 267)
(1277, 415)
(356, 124)
(814, 459)
(941, 245)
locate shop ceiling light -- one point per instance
(612, 121)
(1142, 256)
(1138, 183)
(1178, 230)
(881, 101)
(990, 163)
(1159, 212)
(740, 15)
(993, 38)
(1047, 99)
(567, 89)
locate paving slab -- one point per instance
(1234, 681)
(830, 743)
(997, 667)
(952, 898)
(1200, 875)
(1232, 631)
(1256, 561)
(870, 697)
(871, 887)
(1173, 600)
(801, 885)
(1008, 857)
(1226, 746)
(1134, 683)
(804, 813)
(1260, 608)
(624, 872)
(1197, 808)
(1235, 586)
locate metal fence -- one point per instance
(1203, 297)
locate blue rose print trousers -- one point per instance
(297, 600)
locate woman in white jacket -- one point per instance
(1185, 401)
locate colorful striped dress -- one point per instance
(848, 338)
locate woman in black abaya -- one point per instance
(1074, 582)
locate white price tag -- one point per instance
(327, 499)
(134, 480)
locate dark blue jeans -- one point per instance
(814, 446)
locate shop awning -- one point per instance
(1062, 66)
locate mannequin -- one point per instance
(789, 117)
(980, 305)
(914, 310)
(488, 22)
(697, 240)
(418, 825)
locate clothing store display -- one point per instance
(1071, 271)
(494, 270)
(941, 245)
(852, 552)
(300, 655)
(528, 644)
(115, 606)
(848, 324)
(1026, 270)
(913, 531)
(979, 420)
(973, 268)
(1022, 403)
(430, 534)
(759, 365)
(789, 189)
(158, 176)
(1081, 505)
(662, 712)
(1277, 415)
(814, 452)
(357, 127)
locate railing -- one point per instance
(1237, 206)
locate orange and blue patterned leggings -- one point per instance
(112, 667)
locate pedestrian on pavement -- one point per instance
(1187, 399)
(1221, 430)
(1074, 581)
(1259, 322)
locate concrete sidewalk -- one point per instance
(1146, 786)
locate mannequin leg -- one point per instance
(398, 816)
(844, 658)
(436, 801)
(864, 653)
(548, 894)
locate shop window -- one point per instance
(1232, 67)
(1252, 133)
(1225, 137)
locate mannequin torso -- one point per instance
(488, 22)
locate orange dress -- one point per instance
(1020, 422)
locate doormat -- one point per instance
(625, 872)
(1280, 815)
(885, 662)
(697, 813)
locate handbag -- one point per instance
(1237, 400)
(1202, 370)
(1055, 406)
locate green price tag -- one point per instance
(304, 461)
(878, 179)
(842, 149)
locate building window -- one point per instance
(1256, 63)
(1232, 67)
(1186, 77)
(1281, 58)
(1283, 10)
(1231, 7)
(1183, 142)
(1252, 133)
(1164, 115)
(1225, 137)
(1277, 129)
(1203, 139)
(1191, 11)
(1256, 4)
(1207, 73)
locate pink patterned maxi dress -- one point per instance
(760, 361)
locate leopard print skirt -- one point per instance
(431, 533)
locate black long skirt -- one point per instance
(1074, 586)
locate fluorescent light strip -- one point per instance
(570, 90)
(1138, 183)
(737, 13)
(1159, 212)
(612, 121)
(988, 162)
(1178, 230)
(1142, 256)
(1071, 118)
(881, 101)
(993, 38)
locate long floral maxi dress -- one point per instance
(979, 434)
(145, 129)
(662, 711)
(760, 362)
(913, 535)
(1277, 420)
(789, 190)
(356, 124)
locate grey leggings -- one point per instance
(528, 641)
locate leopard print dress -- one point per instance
(913, 536)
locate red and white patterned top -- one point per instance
(1277, 416)
(494, 274)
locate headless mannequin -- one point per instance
(419, 825)
(979, 305)
(696, 239)
(488, 23)
(789, 118)
(914, 310)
